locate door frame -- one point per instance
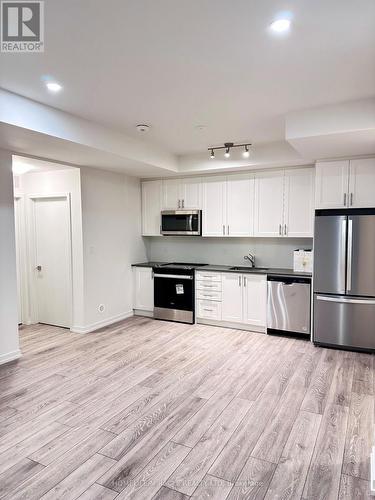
(31, 239)
(22, 259)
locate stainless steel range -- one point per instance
(174, 291)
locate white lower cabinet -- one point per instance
(143, 289)
(232, 309)
(255, 299)
(233, 298)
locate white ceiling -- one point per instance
(179, 64)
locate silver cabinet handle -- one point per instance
(228, 229)
(351, 199)
(285, 230)
(205, 309)
(344, 199)
(174, 276)
(350, 255)
(280, 230)
(179, 203)
(183, 203)
(244, 281)
(239, 280)
(224, 229)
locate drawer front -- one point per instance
(209, 285)
(209, 310)
(209, 295)
(201, 276)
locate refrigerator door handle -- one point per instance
(350, 255)
(342, 300)
(343, 254)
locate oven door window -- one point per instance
(184, 223)
(174, 293)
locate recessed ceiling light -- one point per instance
(143, 128)
(53, 86)
(280, 25)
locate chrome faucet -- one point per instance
(251, 259)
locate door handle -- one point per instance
(350, 255)
(343, 253)
(341, 300)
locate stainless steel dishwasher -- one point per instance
(288, 304)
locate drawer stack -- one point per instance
(208, 295)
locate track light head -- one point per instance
(212, 154)
(246, 153)
(227, 153)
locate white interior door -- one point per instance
(52, 260)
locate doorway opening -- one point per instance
(43, 219)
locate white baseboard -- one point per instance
(101, 324)
(10, 356)
(235, 326)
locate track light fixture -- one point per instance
(228, 146)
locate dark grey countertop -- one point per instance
(227, 269)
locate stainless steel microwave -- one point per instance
(181, 222)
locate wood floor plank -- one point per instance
(359, 437)
(212, 488)
(192, 470)
(323, 480)
(148, 482)
(253, 481)
(98, 492)
(167, 494)
(16, 475)
(290, 474)
(353, 488)
(80, 479)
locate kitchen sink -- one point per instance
(248, 268)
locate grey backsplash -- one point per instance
(269, 252)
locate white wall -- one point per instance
(57, 182)
(111, 208)
(9, 346)
(269, 252)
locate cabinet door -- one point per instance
(331, 184)
(143, 289)
(171, 194)
(255, 299)
(269, 200)
(299, 203)
(231, 306)
(362, 183)
(240, 205)
(213, 209)
(191, 193)
(151, 207)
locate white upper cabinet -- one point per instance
(213, 206)
(240, 205)
(171, 194)
(151, 207)
(345, 184)
(299, 203)
(191, 193)
(182, 193)
(231, 307)
(331, 184)
(269, 201)
(362, 183)
(255, 299)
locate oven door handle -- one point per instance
(174, 276)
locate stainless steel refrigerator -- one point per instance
(344, 278)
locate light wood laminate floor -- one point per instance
(153, 410)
